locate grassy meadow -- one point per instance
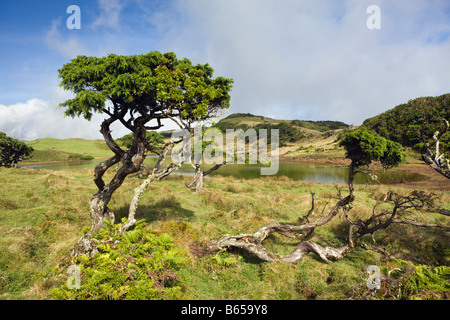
(50, 149)
(42, 214)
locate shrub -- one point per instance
(364, 146)
(13, 151)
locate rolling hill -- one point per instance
(297, 139)
(50, 149)
(413, 124)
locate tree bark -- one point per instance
(99, 202)
(156, 174)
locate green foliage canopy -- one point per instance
(142, 88)
(364, 146)
(12, 151)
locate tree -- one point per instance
(139, 92)
(12, 151)
(362, 148)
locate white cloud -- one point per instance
(37, 118)
(315, 59)
(68, 46)
(109, 14)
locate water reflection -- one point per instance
(322, 173)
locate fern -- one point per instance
(137, 265)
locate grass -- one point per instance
(42, 213)
(49, 149)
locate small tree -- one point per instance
(12, 151)
(197, 179)
(139, 92)
(363, 147)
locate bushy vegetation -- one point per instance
(321, 126)
(403, 280)
(413, 123)
(137, 265)
(13, 151)
(363, 146)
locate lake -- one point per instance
(322, 173)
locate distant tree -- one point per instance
(363, 146)
(12, 151)
(154, 141)
(138, 91)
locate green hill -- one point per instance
(413, 123)
(290, 131)
(49, 149)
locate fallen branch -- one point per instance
(253, 243)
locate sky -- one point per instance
(290, 59)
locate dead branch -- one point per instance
(437, 160)
(156, 174)
(197, 180)
(401, 205)
(253, 242)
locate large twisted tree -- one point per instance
(139, 92)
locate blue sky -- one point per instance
(290, 59)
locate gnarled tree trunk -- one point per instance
(131, 160)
